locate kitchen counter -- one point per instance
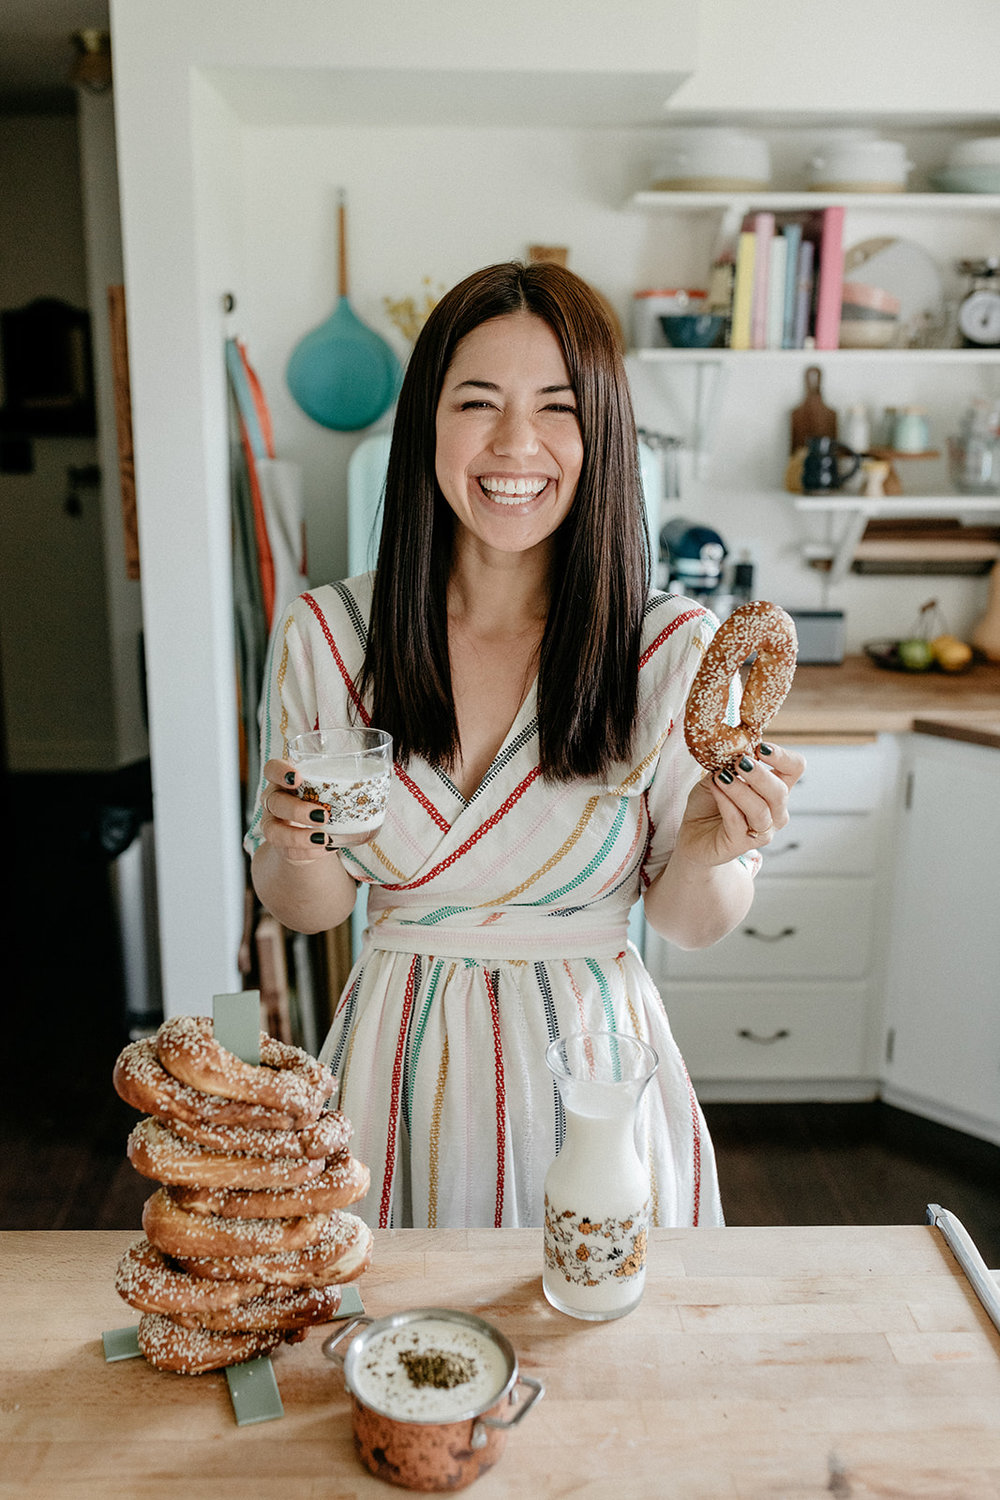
(859, 700)
(985, 733)
(780, 1361)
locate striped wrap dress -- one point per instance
(495, 924)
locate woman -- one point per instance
(535, 691)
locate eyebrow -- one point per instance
(489, 385)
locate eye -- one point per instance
(561, 407)
(475, 405)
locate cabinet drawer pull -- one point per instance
(764, 1041)
(769, 937)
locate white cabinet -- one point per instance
(797, 928)
(783, 1007)
(942, 1034)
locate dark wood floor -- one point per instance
(63, 1128)
(63, 1165)
(852, 1164)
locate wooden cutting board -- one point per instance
(813, 418)
(986, 634)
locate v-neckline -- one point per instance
(528, 702)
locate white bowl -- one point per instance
(859, 166)
(984, 152)
(711, 157)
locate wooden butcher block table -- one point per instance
(789, 1362)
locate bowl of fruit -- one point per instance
(930, 646)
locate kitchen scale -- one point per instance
(979, 309)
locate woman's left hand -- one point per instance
(730, 813)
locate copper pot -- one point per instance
(440, 1452)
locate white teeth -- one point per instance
(509, 491)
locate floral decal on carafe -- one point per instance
(588, 1251)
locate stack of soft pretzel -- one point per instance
(247, 1241)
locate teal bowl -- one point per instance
(692, 330)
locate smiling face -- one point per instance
(509, 448)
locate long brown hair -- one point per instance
(589, 660)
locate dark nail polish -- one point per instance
(317, 838)
(317, 815)
(290, 778)
(746, 764)
(764, 749)
(725, 776)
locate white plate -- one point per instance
(905, 270)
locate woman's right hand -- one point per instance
(294, 827)
(292, 869)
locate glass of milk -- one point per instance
(347, 771)
(597, 1191)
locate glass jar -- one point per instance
(974, 453)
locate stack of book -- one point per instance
(783, 281)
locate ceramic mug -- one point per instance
(821, 470)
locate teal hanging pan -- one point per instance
(343, 374)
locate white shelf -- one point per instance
(899, 505)
(793, 202)
(813, 356)
(711, 366)
(855, 511)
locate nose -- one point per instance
(515, 435)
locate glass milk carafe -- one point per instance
(597, 1190)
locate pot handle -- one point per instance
(479, 1435)
(330, 1344)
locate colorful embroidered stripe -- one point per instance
(438, 817)
(696, 1149)
(425, 802)
(602, 984)
(552, 1029)
(433, 917)
(353, 612)
(345, 674)
(394, 1099)
(418, 1036)
(473, 839)
(501, 1097)
(691, 614)
(594, 864)
(434, 1150)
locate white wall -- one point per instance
(519, 187)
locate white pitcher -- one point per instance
(597, 1191)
